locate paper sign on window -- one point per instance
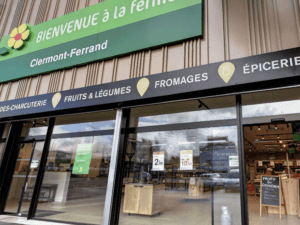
(186, 160)
(83, 159)
(233, 161)
(158, 163)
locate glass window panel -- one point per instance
(18, 185)
(198, 167)
(6, 130)
(35, 127)
(72, 192)
(206, 109)
(2, 145)
(85, 122)
(270, 103)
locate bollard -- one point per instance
(226, 216)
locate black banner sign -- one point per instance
(265, 67)
(270, 190)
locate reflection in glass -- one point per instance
(85, 122)
(188, 117)
(209, 109)
(76, 193)
(2, 145)
(185, 171)
(273, 102)
(6, 130)
(35, 127)
(25, 167)
(81, 127)
(270, 109)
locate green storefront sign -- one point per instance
(83, 159)
(98, 32)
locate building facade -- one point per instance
(181, 155)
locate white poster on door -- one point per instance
(233, 161)
(260, 163)
(186, 160)
(34, 164)
(158, 163)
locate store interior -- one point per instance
(175, 192)
(66, 195)
(273, 149)
(197, 183)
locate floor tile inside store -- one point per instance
(190, 212)
(12, 220)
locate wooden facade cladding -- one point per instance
(232, 29)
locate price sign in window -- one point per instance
(233, 161)
(186, 160)
(158, 163)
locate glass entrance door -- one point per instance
(191, 174)
(24, 178)
(181, 164)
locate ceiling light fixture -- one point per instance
(202, 104)
(262, 137)
(186, 143)
(278, 136)
(258, 128)
(276, 127)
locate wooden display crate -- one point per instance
(145, 199)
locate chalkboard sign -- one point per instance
(270, 191)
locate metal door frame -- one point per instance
(27, 174)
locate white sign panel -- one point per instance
(272, 163)
(158, 163)
(298, 162)
(34, 164)
(260, 163)
(186, 160)
(233, 161)
(192, 181)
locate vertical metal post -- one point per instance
(212, 203)
(243, 185)
(2, 127)
(112, 170)
(115, 211)
(40, 175)
(26, 179)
